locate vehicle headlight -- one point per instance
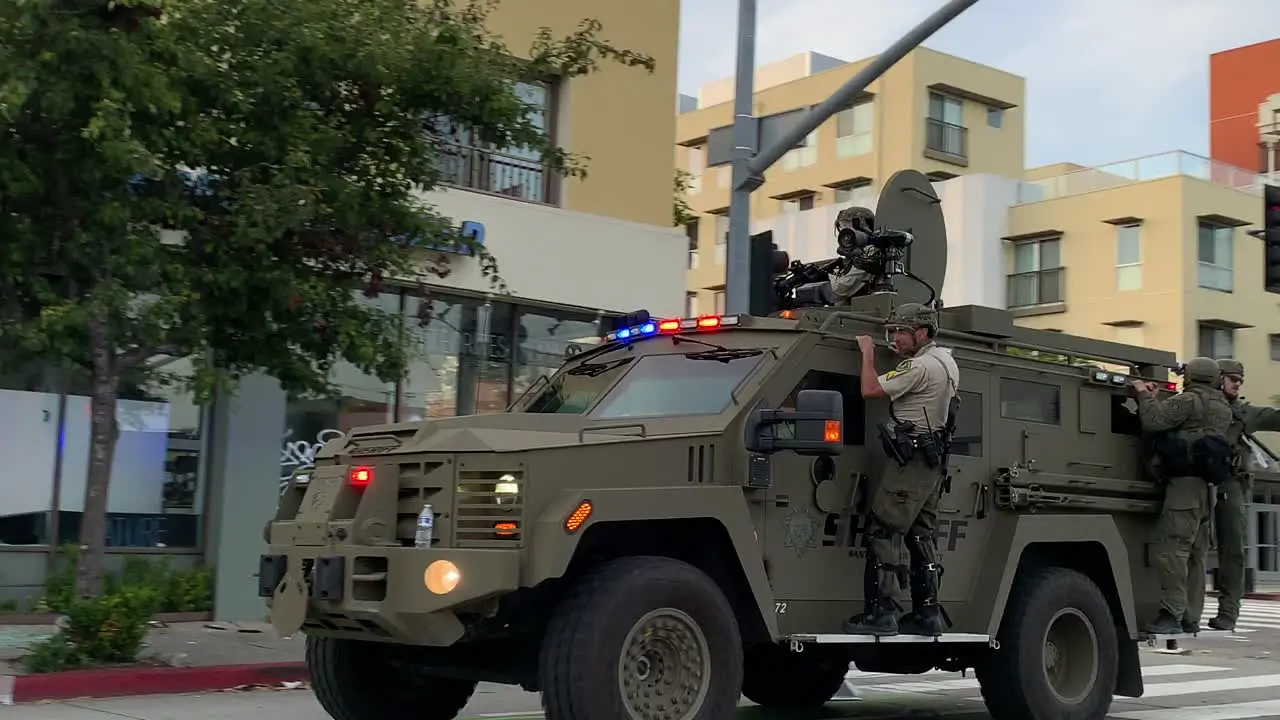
(507, 489)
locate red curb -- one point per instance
(119, 682)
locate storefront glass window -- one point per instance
(361, 400)
(462, 357)
(29, 446)
(155, 498)
(546, 338)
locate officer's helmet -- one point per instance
(1202, 370)
(1231, 367)
(911, 316)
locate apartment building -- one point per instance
(934, 112)
(197, 482)
(1244, 107)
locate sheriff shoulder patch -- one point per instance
(903, 366)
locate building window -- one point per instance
(1037, 273)
(722, 235)
(1129, 257)
(691, 304)
(466, 161)
(719, 302)
(1215, 253)
(854, 130)
(1030, 401)
(804, 155)
(691, 232)
(697, 158)
(944, 128)
(796, 204)
(1216, 341)
(1273, 342)
(995, 117)
(860, 193)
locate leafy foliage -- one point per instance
(681, 213)
(222, 180)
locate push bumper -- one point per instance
(380, 593)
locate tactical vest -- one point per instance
(1236, 439)
(1199, 447)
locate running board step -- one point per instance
(843, 639)
(1153, 639)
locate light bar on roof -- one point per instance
(659, 327)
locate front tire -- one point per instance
(1058, 656)
(649, 638)
(356, 680)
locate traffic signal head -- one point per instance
(1271, 209)
(1271, 237)
(767, 262)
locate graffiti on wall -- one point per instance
(301, 454)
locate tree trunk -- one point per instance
(102, 448)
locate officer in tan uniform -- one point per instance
(922, 392)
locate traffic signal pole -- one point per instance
(749, 167)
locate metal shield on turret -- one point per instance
(908, 202)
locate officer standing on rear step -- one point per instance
(1190, 443)
(923, 404)
(1233, 495)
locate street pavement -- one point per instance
(1211, 677)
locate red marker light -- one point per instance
(361, 476)
(669, 326)
(709, 322)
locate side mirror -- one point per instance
(819, 423)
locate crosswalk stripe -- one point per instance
(1230, 711)
(1191, 687)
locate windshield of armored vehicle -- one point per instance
(650, 386)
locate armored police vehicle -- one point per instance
(672, 520)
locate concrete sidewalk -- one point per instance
(178, 658)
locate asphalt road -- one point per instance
(1224, 677)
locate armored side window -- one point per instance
(1124, 416)
(850, 388)
(968, 439)
(1030, 401)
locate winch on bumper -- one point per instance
(386, 593)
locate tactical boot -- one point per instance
(1190, 628)
(1164, 624)
(878, 619)
(926, 616)
(1222, 622)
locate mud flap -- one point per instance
(289, 605)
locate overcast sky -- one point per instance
(1107, 80)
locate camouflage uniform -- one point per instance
(1233, 496)
(904, 504)
(1183, 542)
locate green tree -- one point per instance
(681, 213)
(223, 179)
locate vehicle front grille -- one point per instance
(489, 509)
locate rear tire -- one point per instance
(645, 638)
(356, 680)
(1058, 656)
(776, 678)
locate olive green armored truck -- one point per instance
(673, 520)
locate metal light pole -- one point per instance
(749, 167)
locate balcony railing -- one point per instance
(489, 171)
(1151, 167)
(1038, 287)
(943, 137)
